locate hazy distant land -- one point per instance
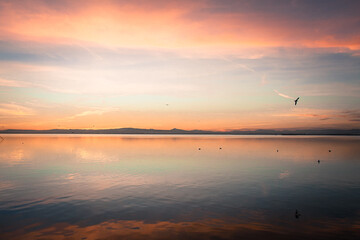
(180, 131)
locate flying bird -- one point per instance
(296, 100)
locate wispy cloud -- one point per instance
(324, 114)
(86, 113)
(97, 111)
(351, 115)
(23, 84)
(283, 95)
(12, 83)
(14, 110)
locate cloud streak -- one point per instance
(98, 111)
(14, 110)
(324, 114)
(283, 95)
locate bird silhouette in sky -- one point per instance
(296, 100)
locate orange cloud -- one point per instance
(14, 110)
(163, 25)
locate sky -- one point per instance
(207, 64)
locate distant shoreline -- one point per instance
(138, 131)
(234, 134)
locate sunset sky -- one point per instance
(207, 64)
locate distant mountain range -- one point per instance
(180, 131)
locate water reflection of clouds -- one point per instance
(284, 174)
(4, 185)
(12, 157)
(131, 187)
(88, 183)
(84, 155)
(117, 148)
(71, 176)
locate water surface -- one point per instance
(164, 187)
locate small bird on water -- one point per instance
(318, 161)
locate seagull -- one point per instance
(296, 100)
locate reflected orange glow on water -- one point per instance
(204, 229)
(164, 187)
(115, 148)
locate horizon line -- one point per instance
(130, 130)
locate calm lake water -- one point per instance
(164, 187)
